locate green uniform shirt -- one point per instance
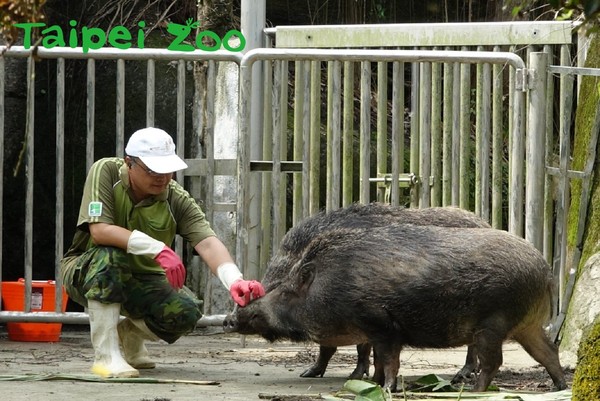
(107, 198)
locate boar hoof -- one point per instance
(562, 385)
(391, 386)
(463, 376)
(359, 373)
(314, 371)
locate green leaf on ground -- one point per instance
(434, 383)
(365, 390)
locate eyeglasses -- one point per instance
(151, 173)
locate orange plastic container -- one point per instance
(42, 300)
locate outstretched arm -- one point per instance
(217, 257)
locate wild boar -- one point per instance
(405, 285)
(362, 216)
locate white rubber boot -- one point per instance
(132, 333)
(108, 361)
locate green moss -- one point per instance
(584, 119)
(587, 374)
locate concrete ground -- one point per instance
(259, 370)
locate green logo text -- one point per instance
(121, 38)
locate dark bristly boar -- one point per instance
(362, 216)
(420, 286)
(358, 215)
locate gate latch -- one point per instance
(405, 180)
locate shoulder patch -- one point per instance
(95, 209)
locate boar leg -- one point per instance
(387, 364)
(470, 366)
(363, 363)
(318, 368)
(544, 351)
(378, 375)
(489, 350)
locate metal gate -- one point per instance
(302, 143)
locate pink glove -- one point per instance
(244, 291)
(173, 266)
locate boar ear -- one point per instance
(306, 275)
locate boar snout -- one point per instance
(230, 324)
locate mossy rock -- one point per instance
(586, 380)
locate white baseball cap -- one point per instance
(156, 150)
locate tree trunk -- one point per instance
(216, 16)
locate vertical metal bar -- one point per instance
(315, 135)
(206, 126)
(265, 182)
(548, 226)
(456, 135)
(485, 133)
(276, 147)
(414, 130)
(120, 149)
(511, 117)
(282, 155)
(298, 140)
(280, 98)
(243, 165)
(397, 129)
(150, 92)
(2, 73)
(29, 180)
(209, 138)
(329, 178)
(253, 17)
(497, 144)
(465, 134)
(382, 129)
(306, 165)
(267, 200)
(536, 140)
(436, 134)
(517, 154)
(447, 135)
(181, 114)
(180, 139)
(60, 179)
(254, 23)
(336, 140)
(365, 130)
(563, 194)
(90, 112)
(348, 134)
(425, 135)
(478, 133)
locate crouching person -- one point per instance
(121, 262)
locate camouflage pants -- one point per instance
(103, 274)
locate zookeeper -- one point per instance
(120, 261)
